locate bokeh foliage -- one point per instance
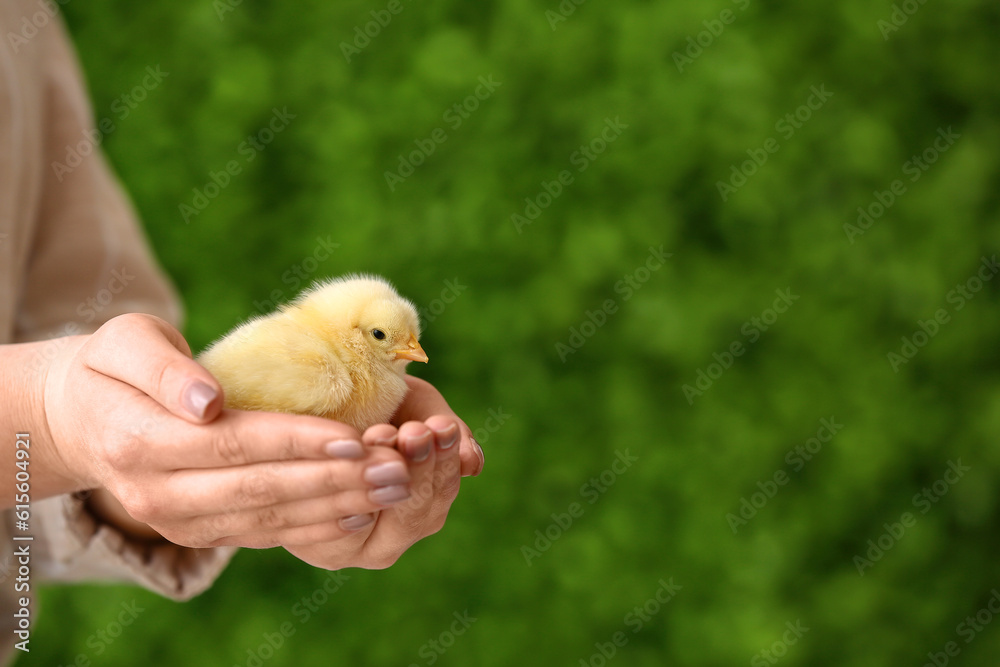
(495, 346)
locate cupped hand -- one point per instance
(424, 403)
(440, 450)
(435, 475)
(129, 411)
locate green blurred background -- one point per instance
(567, 417)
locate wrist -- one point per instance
(27, 371)
(56, 422)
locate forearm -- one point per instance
(23, 370)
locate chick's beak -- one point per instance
(412, 351)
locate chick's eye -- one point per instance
(378, 334)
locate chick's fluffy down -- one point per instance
(338, 351)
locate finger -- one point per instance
(415, 441)
(423, 401)
(335, 533)
(473, 459)
(345, 512)
(324, 533)
(149, 354)
(380, 435)
(232, 490)
(448, 431)
(434, 488)
(238, 438)
(445, 429)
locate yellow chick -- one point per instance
(338, 351)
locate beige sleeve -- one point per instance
(72, 256)
(87, 259)
(71, 546)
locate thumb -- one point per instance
(151, 355)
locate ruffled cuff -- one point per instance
(74, 546)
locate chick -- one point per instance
(338, 351)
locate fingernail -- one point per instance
(419, 448)
(448, 437)
(197, 397)
(344, 449)
(482, 457)
(386, 442)
(385, 495)
(356, 521)
(386, 474)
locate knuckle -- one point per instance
(162, 374)
(414, 524)
(290, 448)
(227, 449)
(436, 524)
(120, 324)
(437, 517)
(142, 507)
(123, 453)
(450, 488)
(127, 325)
(331, 479)
(256, 489)
(422, 493)
(381, 561)
(451, 467)
(268, 518)
(220, 524)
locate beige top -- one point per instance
(66, 231)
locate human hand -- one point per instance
(128, 410)
(421, 403)
(382, 537)
(427, 435)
